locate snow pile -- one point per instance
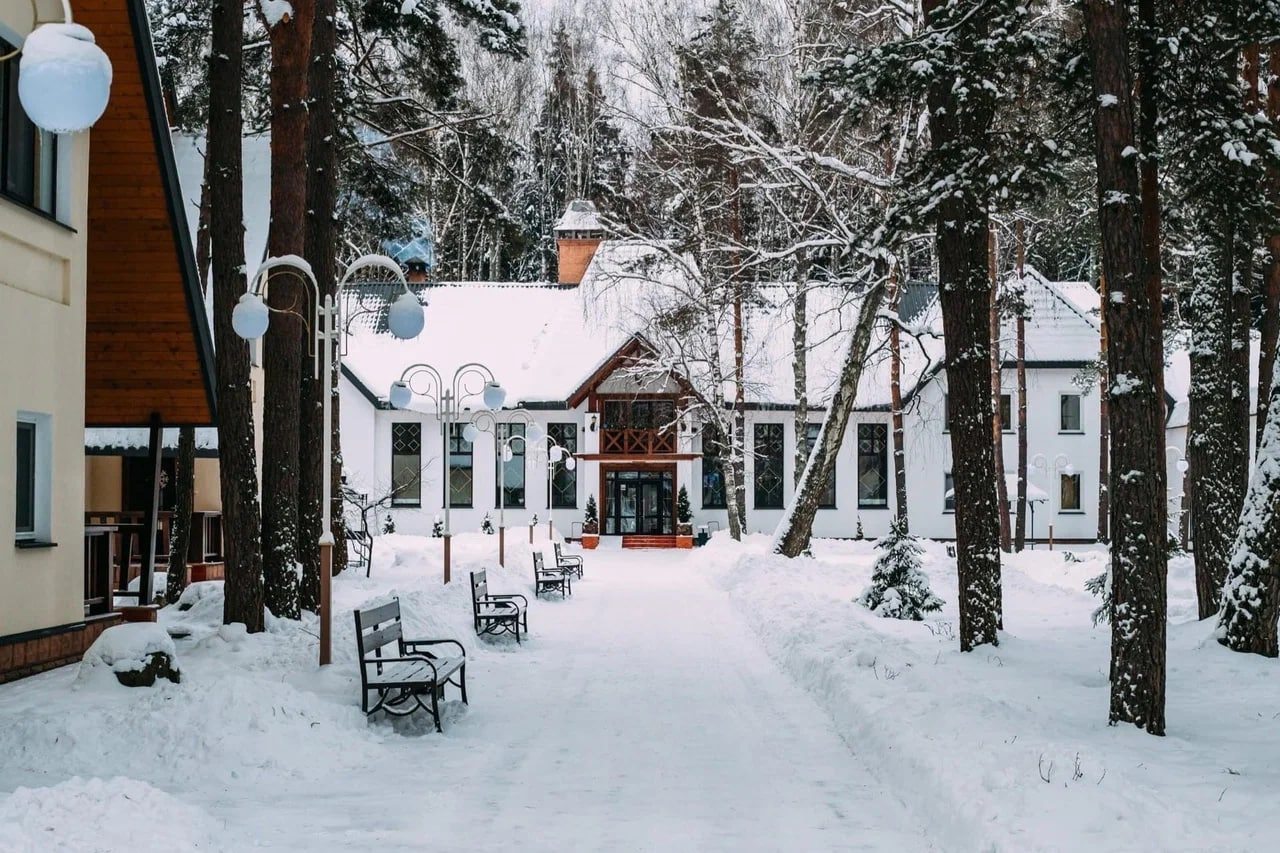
(111, 814)
(127, 648)
(1008, 748)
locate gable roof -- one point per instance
(148, 346)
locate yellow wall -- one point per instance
(42, 356)
(104, 487)
(208, 489)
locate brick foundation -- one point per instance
(33, 652)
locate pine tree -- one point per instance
(591, 516)
(684, 510)
(899, 589)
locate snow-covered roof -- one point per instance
(581, 216)
(119, 441)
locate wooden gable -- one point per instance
(148, 345)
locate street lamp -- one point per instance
(1178, 500)
(250, 320)
(469, 381)
(64, 78)
(487, 422)
(1061, 465)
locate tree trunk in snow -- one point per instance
(321, 242)
(796, 529)
(896, 283)
(1104, 417)
(241, 522)
(1020, 526)
(180, 534)
(1251, 596)
(997, 386)
(1135, 361)
(965, 294)
(286, 346)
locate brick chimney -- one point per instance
(578, 234)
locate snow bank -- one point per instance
(127, 648)
(1008, 748)
(105, 814)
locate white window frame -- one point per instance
(42, 505)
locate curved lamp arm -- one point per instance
(35, 22)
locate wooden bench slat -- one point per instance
(381, 613)
(412, 673)
(372, 640)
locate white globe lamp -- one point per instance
(405, 317)
(470, 433)
(557, 455)
(571, 463)
(401, 395)
(250, 317)
(536, 433)
(494, 396)
(507, 455)
(64, 78)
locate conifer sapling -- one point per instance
(899, 589)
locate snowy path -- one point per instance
(642, 716)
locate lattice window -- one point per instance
(564, 483)
(873, 466)
(512, 471)
(769, 449)
(406, 464)
(461, 468)
(714, 455)
(828, 498)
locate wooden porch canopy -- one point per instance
(148, 347)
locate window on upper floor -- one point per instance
(28, 155)
(1069, 413)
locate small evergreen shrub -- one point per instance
(388, 524)
(486, 526)
(591, 517)
(899, 589)
(437, 528)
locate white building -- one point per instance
(566, 354)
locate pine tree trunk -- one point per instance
(241, 522)
(286, 346)
(1020, 525)
(896, 284)
(1251, 597)
(1139, 570)
(997, 386)
(180, 533)
(796, 528)
(321, 243)
(1104, 417)
(1271, 280)
(965, 294)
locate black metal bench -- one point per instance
(401, 682)
(550, 580)
(571, 562)
(497, 614)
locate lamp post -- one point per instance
(502, 450)
(1183, 466)
(1060, 465)
(448, 402)
(250, 320)
(64, 78)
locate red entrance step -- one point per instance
(649, 542)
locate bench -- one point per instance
(401, 681)
(550, 580)
(497, 614)
(572, 562)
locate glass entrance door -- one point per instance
(638, 502)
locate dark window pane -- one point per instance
(713, 458)
(512, 471)
(948, 492)
(1006, 412)
(26, 485)
(828, 499)
(564, 483)
(406, 464)
(1070, 492)
(28, 155)
(1070, 412)
(768, 475)
(461, 479)
(873, 466)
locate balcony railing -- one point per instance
(637, 442)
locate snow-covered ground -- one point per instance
(1008, 748)
(642, 714)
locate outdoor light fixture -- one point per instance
(494, 396)
(537, 433)
(64, 79)
(470, 433)
(406, 317)
(250, 319)
(401, 395)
